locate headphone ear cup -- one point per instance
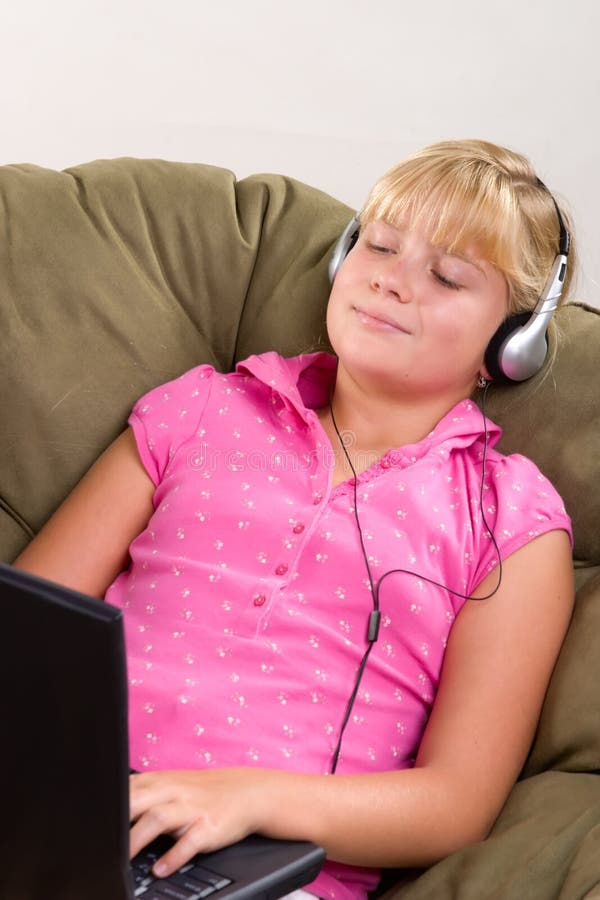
(492, 358)
(344, 245)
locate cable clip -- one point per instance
(374, 622)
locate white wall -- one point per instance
(329, 91)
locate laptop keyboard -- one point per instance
(191, 882)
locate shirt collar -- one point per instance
(304, 383)
(463, 426)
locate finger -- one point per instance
(146, 791)
(191, 842)
(160, 819)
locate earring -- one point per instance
(482, 382)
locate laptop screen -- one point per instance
(64, 829)
(64, 714)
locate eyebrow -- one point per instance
(466, 259)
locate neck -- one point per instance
(373, 422)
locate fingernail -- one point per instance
(160, 869)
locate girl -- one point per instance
(294, 545)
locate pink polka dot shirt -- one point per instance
(247, 598)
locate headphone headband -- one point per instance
(564, 238)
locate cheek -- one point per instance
(331, 321)
(335, 304)
(331, 308)
(466, 333)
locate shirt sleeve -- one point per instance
(519, 504)
(168, 416)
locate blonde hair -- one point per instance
(474, 193)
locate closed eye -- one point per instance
(378, 248)
(447, 282)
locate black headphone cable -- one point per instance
(374, 620)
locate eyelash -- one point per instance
(377, 248)
(446, 282)
(452, 285)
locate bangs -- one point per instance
(460, 205)
(470, 198)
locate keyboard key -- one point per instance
(202, 874)
(201, 887)
(154, 894)
(190, 882)
(143, 862)
(168, 892)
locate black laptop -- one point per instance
(64, 809)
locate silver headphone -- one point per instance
(518, 349)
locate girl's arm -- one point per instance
(497, 666)
(84, 545)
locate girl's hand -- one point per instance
(202, 810)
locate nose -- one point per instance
(391, 278)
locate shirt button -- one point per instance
(298, 528)
(317, 498)
(281, 569)
(260, 600)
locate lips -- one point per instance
(379, 320)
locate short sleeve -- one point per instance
(168, 416)
(519, 504)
